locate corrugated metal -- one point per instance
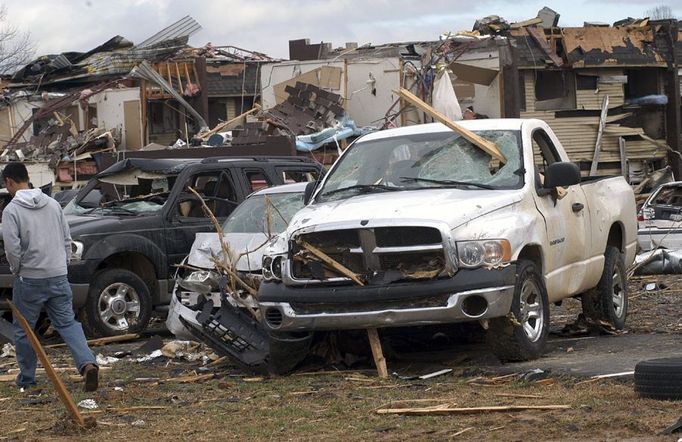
(578, 135)
(184, 27)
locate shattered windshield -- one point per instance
(433, 160)
(251, 216)
(146, 196)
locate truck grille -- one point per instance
(378, 256)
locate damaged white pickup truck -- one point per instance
(417, 226)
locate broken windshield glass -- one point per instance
(251, 215)
(412, 162)
(146, 197)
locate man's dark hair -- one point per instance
(15, 171)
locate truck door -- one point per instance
(186, 217)
(566, 223)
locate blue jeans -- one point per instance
(30, 296)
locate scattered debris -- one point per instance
(88, 404)
(105, 360)
(471, 410)
(151, 356)
(674, 428)
(8, 351)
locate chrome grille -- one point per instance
(377, 255)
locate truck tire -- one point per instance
(608, 301)
(118, 303)
(522, 335)
(659, 378)
(287, 351)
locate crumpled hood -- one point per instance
(207, 245)
(30, 198)
(452, 206)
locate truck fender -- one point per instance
(114, 244)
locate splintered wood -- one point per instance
(59, 386)
(425, 411)
(377, 352)
(329, 261)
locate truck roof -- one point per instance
(475, 125)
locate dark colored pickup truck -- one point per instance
(137, 219)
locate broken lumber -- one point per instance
(59, 386)
(469, 410)
(191, 378)
(524, 23)
(221, 126)
(377, 352)
(540, 38)
(487, 146)
(103, 341)
(600, 135)
(326, 259)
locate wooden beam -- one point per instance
(487, 146)
(377, 352)
(221, 126)
(623, 159)
(600, 135)
(539, 36)
(524, 23)
(59, 386)
(177, 73)
(326, 259)
(470, 410)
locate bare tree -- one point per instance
(660, 12)
(16, 46)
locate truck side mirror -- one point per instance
(308, 192)
(561, 174)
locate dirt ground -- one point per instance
(167, 398)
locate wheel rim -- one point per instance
(618, 292)
(119, 306)
(532, 318)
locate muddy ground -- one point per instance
(166, 398)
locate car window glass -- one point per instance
(252, 215)
(257, 179)
(290, 176)
(217, 191)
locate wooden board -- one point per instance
(377, 352)
(59, 386)
(539, 36)
(487, 146)
(600, 135)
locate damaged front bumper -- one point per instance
(468, 296)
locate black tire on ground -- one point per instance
(659, 378)
(287, 351)
(608, 301)
(118, 303)
(524, 337)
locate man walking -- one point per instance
(38, 248)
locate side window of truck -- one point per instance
(256, 179)
(290, 176)
(544, 154)
(216, 189)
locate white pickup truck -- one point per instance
(416, 226)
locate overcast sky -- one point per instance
(267, 25)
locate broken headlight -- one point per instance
(201, 281)
(76, 250)
(272, 268)
(490, 252)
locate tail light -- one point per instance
(646, 214)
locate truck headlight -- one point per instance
(490, 252)
(272, 268)
(77, 248)
(201, 281)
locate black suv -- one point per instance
(136, 220)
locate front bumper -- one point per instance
(468, 296)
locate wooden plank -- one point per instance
(524, 23)
(326, 259)
(226, 124)
(177, 73)
(102, 341)
(377, 352)
(539, 36)
(600, 135)
(623, 158)
(487, 146)
(59, 386)
(470, 410)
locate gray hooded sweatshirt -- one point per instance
(36, 235)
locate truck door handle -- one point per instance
(577, 207)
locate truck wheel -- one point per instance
(522, 335)
(608, 301)
(659, 378)
(287, 351)
(118, 303)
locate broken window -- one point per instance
(257, 179)
(252, 215)
(554, 90)
(216, 189)
(641, 82)
(544, 154)
(420, 161)
(586, 82)
(298, 175)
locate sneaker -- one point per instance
(91, 377)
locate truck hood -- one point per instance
(84, 224)
(451, 206)
(207, 245)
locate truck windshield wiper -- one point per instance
(364, 188)
(446, 182)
